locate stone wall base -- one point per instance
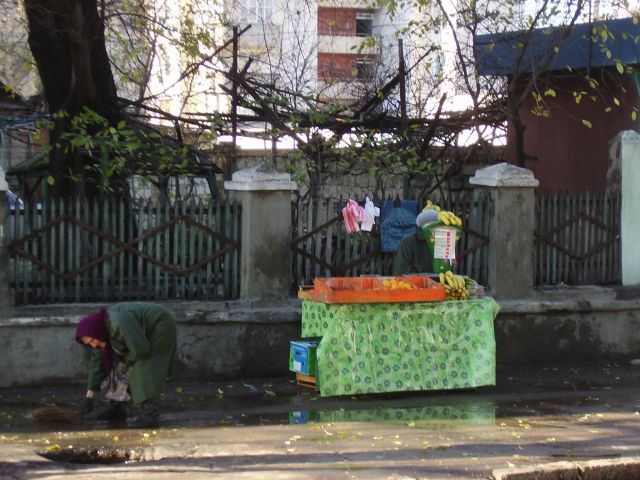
(220, 340)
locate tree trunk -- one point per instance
(66, 38)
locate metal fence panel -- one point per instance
(114, 250)
(321, 247)
(577, 239)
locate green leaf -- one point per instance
(550, 92)
(634, 115)
(620, 67)
(586, 123)
(51, 180)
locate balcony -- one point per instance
(344, 45)
(260, 37)
(354, 4)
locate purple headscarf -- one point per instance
(95, 326)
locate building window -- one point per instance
(364, 24)
(259, 11)
(364, 69)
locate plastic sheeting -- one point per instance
(388, 347)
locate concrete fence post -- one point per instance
(624, 176)
(265, 258)
(511, 268)
(4, 258)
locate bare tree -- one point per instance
(131, 81)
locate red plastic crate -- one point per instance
(372, 290)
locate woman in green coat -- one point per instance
(134, 352)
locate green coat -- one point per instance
(143, 335)
(413, 255)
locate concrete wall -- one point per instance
(250, 340)
(215, 340)
(571, 324)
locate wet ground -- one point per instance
(274, 428)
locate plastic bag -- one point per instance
(397, 220)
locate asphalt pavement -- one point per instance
(558, 415)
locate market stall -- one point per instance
(374, 334)
(389, 347)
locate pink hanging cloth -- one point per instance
(352, 214)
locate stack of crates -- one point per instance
(302, 361)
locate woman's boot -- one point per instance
(116, 412)
(149, 416)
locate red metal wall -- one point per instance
(571, 156)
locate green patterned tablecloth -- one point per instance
(389, 347)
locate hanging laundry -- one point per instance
(352, 214)
(370, 212)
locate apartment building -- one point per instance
(345, 57)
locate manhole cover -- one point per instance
(100, 455)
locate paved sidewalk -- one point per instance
(275, 429)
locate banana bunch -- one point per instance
(454, 286)
(449, 218)
(431, 206)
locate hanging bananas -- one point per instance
(449, 218)
(431, 206)
(454, 286)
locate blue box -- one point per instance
(302, 356)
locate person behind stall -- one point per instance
(134, 351)
(414, 255)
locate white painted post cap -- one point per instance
(260, 177)
(504, 175)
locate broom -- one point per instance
(54, 414)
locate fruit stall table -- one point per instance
(390, 347)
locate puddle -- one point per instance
(261, 405)
(423, 416)
(416, 410)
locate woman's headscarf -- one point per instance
(95, 325)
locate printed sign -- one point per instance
(445, 243)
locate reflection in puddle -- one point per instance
(477, 412)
